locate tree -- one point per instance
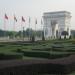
(11, 34)
(64, 33)
(1, 33)
(33, 38)
(29, 32)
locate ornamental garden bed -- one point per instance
(45, 54)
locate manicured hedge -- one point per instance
(44, 54)
(71, 50)
(42, 49)
(1, 45)
(58, 47)
(5, 56)
(36, 54)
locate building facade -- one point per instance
(55, 23)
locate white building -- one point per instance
(56, 22)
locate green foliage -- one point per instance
(43, 38)
(47, 55)
(6, 56)
(50, 49)
(70, 37)
(64, 33)
(26, 33)
(33, 38)
(19, 50)
(40, 49)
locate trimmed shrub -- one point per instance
(58, 48)
(10, 56)
(44, 54)
(1, 45)
(36, 54)
(19, 50)
(72, 50)
(42, 49)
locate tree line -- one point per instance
(25, 33)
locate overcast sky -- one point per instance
(34, 9)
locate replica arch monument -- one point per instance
(55, 23)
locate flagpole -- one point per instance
(14, 29)
(5, 18)
(35, 31)
(21, 31)
(43, 38)
(35, 28)
(23, 20)
(41, 29)
(29, 28)
(14, 23)
(4, 27)
(14, 26)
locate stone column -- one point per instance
(53, 26)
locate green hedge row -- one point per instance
(1, 45)
(42, 49)
(4, 56)
(44, 54)
(55, 49)
(71, 50)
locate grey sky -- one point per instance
(34, 9)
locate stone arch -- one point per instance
(51, 19)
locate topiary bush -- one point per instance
(19, 50)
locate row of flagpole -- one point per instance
(15, 20)
(22, 20)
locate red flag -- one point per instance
(15, 19)
(6, 17)
(23, 19)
